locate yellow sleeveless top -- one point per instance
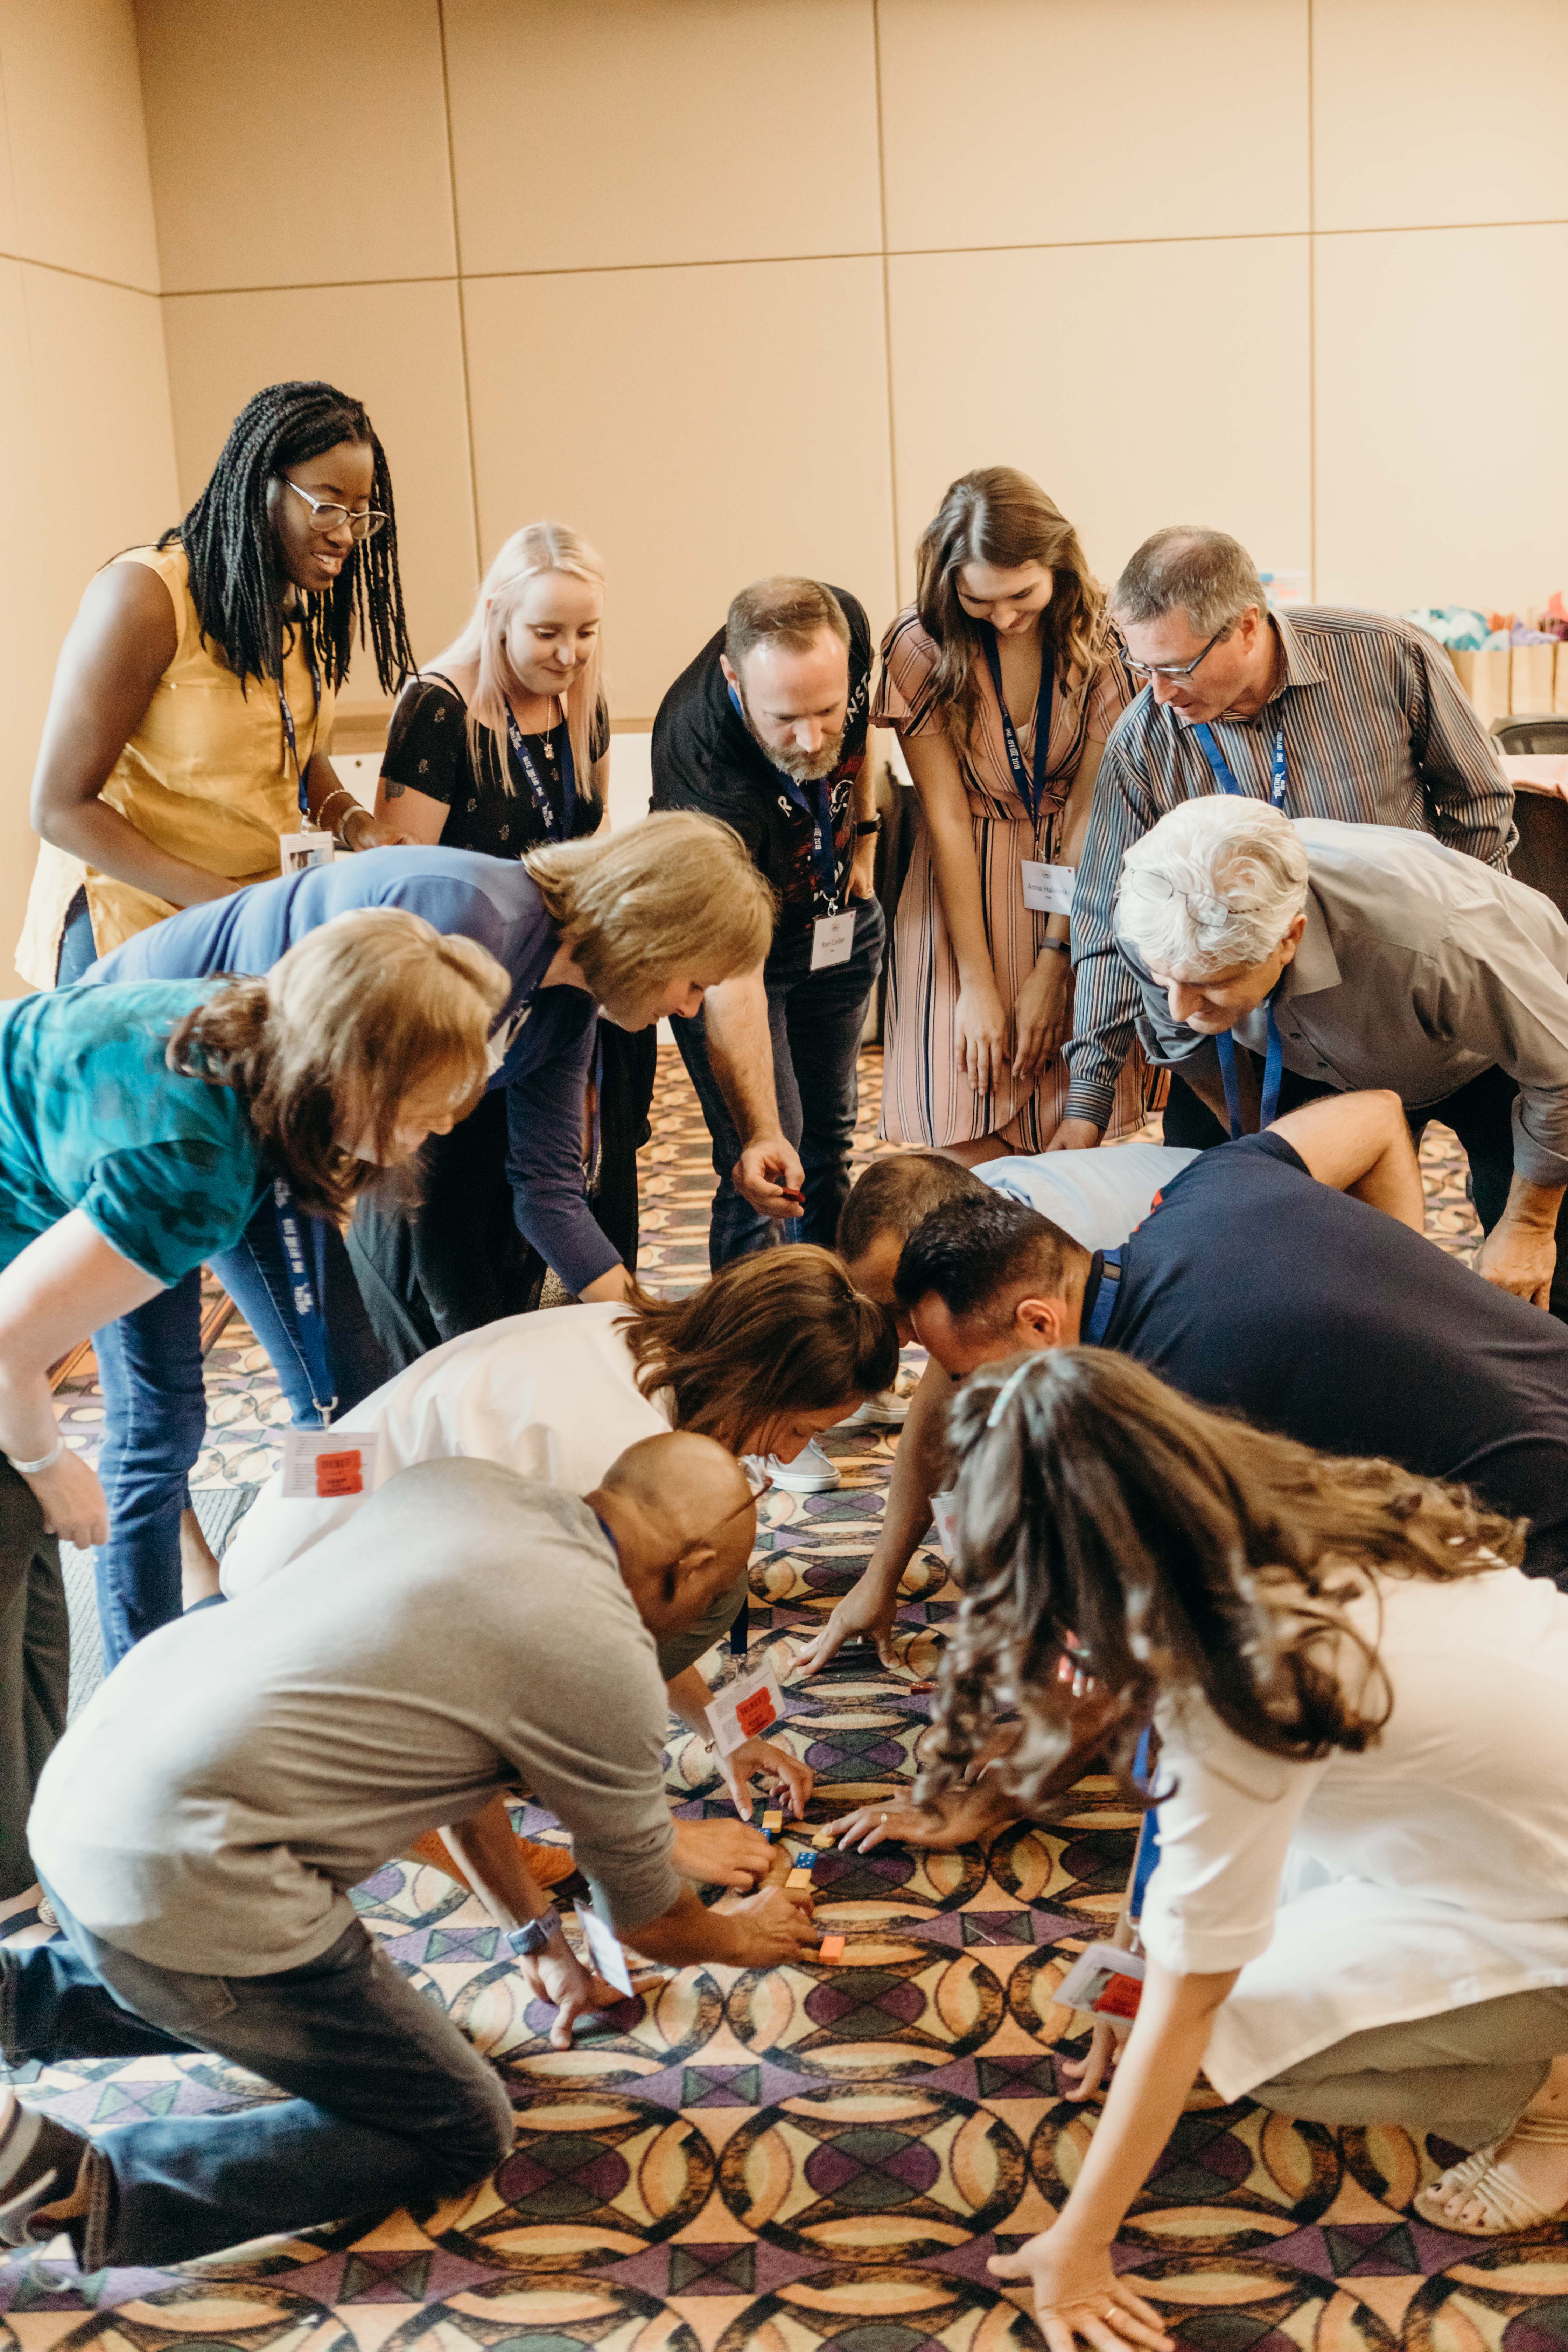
(207, 775)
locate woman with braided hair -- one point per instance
(1358, 1914)
(192, 702)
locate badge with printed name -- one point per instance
(1106, 1981)
(325, 1465)
(298, 851)
(745, 1707)
(604, 1949)
(1047, 889)
(832, 941)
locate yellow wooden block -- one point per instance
(798, 1878)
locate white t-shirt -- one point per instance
(553, 1396)
(1429, 1872)
(1096, 1196)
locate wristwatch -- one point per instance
(872, 824)
(529, 1941)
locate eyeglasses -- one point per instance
(1174, 669)
(325, 515)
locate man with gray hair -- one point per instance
(1357, 956)
(1354, 716)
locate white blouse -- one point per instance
(1426, 1873)
(553, 1396)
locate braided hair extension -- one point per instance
(236, 586)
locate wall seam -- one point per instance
(462, 306)
(1312, 315)
(887, 302)
(88, 277)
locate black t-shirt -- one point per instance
(1250, 1285)
(706, 758)
(427, 751)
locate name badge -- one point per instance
(745, 1707)
(1047, 889)
(325, 1465)
(1106, 1981)
(298, 851)
(944, 1511)
(604, 1949)
(832, 941)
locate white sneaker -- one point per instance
(887, 1409)
(810, 1472)
(47, 1916)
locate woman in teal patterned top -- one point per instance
(141, 1127)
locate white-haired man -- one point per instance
(1354, 956)
(1350, 716)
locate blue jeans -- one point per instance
(388, 2105)
(815, 1020)
(150, 1367)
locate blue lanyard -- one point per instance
(556, 828)
(308, 1296)
(1273, 1068)
(1108, 1290)
(1030, 786)
(1148, 1853)
(1221, 766)
(824, 848)
(288, 718)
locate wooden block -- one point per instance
(823, 1840)
(831, 1949)
(773, 1824)
(798, 1878)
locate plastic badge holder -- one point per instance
(1105, 1982)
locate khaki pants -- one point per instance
(1467, 2074)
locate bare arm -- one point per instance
(982, 1023)
(740, 1048)
(1359, 1143)
(62, 1286)
(863, 808)
(117, 648)
(759, 1931)
(869, 1609)
(1040, 1014)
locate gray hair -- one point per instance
(1217, 882)
(1186, 567)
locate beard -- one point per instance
(801, 767)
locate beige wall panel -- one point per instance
(1440, 470)
(251, 188)
(1010, 123)
(618, 132)
(80, 478)
(79, 147)
(660, 412)
(396, 348)
(1434, 111)
(1140, 385)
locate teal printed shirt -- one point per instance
(168, 1168)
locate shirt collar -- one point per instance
(1314, 965)
(1300, 669)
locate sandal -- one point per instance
(1506, 2208)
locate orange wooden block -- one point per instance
(831, 1949)
(798, 1878)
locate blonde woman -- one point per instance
(641, 923)
(1002, 684)
(147, 1131)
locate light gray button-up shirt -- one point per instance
(1419, 968)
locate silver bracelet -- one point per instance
(43, 1462)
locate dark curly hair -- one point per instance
(1184, 1552)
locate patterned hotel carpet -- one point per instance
(820, 2156)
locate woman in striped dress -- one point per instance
(1006, 622)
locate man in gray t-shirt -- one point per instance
(201, 1823)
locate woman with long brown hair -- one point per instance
(145, 1131)
(1359, 1914)
(1003, 682)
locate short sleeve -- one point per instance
(167, 1207)
(427, 745)
(1225, 1831)
(1110, 690)
(903, 700)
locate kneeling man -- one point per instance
(201, 1823)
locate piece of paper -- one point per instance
(1047, 889)
(745, 1707)
(322, 1465)
(604, 1949)
(944, 1511)
(832, 941)
(1105, 1981)
(298, 851)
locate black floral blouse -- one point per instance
(427, 751)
